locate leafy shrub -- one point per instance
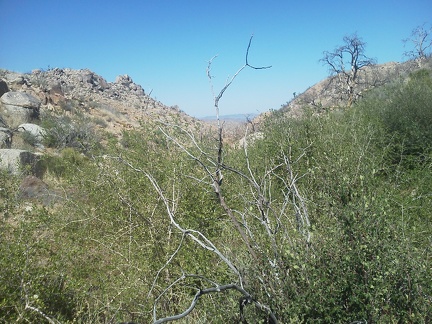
(95, 256)
(407, 119)
(29, 138)
(63, 132)
(64, 164)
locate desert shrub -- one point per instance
(101, 122)
(67, 105)
(358, 263)
(29, 138)
(63, 132)
(406, 116)
(64, 164)
(95, 257)
(32, 286)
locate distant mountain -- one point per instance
(233, 117)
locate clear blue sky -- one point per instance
(165, 45)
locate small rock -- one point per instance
(5, 138)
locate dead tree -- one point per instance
(345, 64)
(260, 226)
(421, 41)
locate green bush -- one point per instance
(93, 256)
(62, 131)
(407, 119)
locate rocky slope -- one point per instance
(67, 97)
(327, 94)
(122, 103)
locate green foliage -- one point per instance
(29, 138)
(63, 132)
(100, 253)
(30, 278)
(64, 164)
(406, 117)
(366, 261)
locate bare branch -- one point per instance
(218, 289)
(213, 167)
(422, 42)
(167, 263)
(247, 56)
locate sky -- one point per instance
(165, 45)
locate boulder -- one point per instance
(93, 80)
(35, 130)
(18, 108)
(55, 88)
(21, 161)
(15, 78)
(3, 87)
(124, 80)
(54, 93)
(33, 187)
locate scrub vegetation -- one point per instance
(324, 218)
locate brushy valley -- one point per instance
(322, 218)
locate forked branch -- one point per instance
(246, 299)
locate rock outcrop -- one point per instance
(21, 162)
(3, 87)
(18, 107)
(70, 95)
(329, 93)
(123, 103)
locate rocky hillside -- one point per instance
(76, 104)
(328, 93)
(122, 103)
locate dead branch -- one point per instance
(247, 299)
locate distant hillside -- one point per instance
(326, 94)
(113, 105)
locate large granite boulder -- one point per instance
(18, 108)
(15, 78)
(21, 162)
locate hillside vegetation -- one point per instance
(325, 219)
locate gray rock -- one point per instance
(18, 108)
(15, 78)
(32, 187)
(21, 161)
(55, 88)
(35, 130)
(22, 99)
(3, 87)
(124, 79)
(54, 93)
